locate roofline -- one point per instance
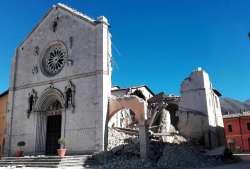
(117, 90)
(237, 115)
(4, 93)
(148, 89)
(116, 86)
(76, 13)
(217, 92)
(62, 6)
(35, 27)
(135, 87)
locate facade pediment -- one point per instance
(63, 9)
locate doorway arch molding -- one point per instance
(46, 98)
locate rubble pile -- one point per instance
(118, 139)
(174, 138)
(187, 155)
(160, 155)
(129, 164)
(177, 139)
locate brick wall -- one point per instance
(238, 137)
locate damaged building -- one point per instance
(60, 90)
(195, 114)
(125, 117)
(199, 112)
(162, 119)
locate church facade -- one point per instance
(60, 84)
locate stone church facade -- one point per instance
(60, 84)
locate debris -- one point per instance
(124, 153)
(117, 138)
(180, 156)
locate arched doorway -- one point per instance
(53, 131)
(139, 107)
(50, 110)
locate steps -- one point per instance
(81, 161)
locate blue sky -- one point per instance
(157, 43)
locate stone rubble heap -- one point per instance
(180, 156)
(119, 139)
(161, 155)
(174, 138)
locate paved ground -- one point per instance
(241, 165)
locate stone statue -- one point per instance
(31, 102)
(69, 95)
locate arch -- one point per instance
(139, 107)
(134, 103)
(48, 96)
(50, 104)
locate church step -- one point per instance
(48, 157)
(52, 165)
(44, 161)
(48, 161)
(55, 160)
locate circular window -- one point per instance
(54, 59)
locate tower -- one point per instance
(201, 100)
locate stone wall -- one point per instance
(200, 109)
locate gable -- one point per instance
(61, 9)
(77, 35)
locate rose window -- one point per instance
(54, 59)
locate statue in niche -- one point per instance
(55, 24)
(31, 102)
(35, 70)
(71, 42)
(69, 95)
(36, 50)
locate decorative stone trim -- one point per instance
(77, 76)
(53, 58)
